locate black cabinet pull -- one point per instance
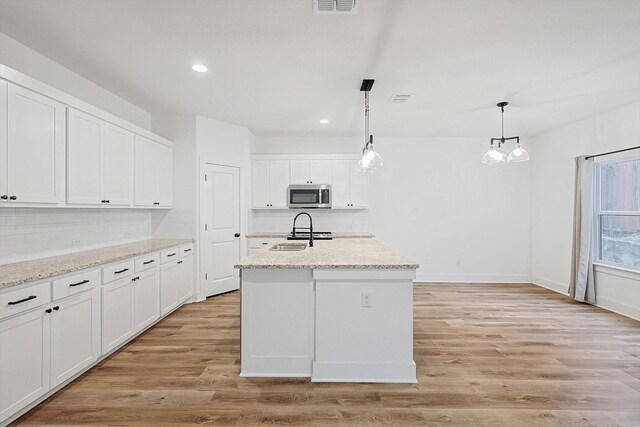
(189, 250)
(148, 262)
(102, 201)
(121, 271)
(48, 310)
(170, 255)
(179, 262)
(56, 308)
(23, 300)
(107, 201)
(236, 235)
(79, 283)
(12, 198)
(135, 278)
(4, 197)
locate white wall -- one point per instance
(434, 201)
(21, 58)
(552, 181)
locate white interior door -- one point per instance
(220, 229)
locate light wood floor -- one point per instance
(487, 355)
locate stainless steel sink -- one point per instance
(297, 246)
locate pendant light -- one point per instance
(370, 160)
(496, 155)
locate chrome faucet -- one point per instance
(310, 227)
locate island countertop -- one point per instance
(331, 254)
(43, 268)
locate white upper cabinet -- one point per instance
(153, 173)
(99, 161)
(32, 157)
(84, 142)
(310, 172)
(348, 189)
(117, 165)
(270, 182)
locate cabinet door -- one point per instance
(359, 188)
(84, 141)
(260, 180)
(117, 313)
(3, 140)
(164, 186)
(169, 279)
(319, 172)
(35, 147)
(75, 335)
(341, 186)
(117, 165)
(278, 183)
(145, 174)
(146, 291)
(299, 171)
(185, 284)
(24, 360)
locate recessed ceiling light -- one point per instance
(324, 121)
(199, 68)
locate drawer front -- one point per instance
(75, 284)
(186, 250)
(169, 255)
(255, 243)
(117, 271)
(24, 299)
(147, 261)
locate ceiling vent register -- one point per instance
(335, 6)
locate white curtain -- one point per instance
(582, 284)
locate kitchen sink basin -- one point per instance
(289, 247)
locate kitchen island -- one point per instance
(340, 311)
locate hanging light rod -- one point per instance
(494, 155)
(370, 160)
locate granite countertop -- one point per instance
(43, 268)
(337, 235)
(329, 254)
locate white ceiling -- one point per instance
(277, 68)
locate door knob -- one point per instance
(236, 235)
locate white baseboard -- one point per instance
(561, 288)
(473, 278)
(618, 307)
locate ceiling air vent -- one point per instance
(335, 6)
(399, 99)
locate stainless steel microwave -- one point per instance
(309, 196)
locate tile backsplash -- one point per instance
(30, 233)
(323, 220)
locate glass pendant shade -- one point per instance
(518, 154)
(493, 156)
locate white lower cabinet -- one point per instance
(146, 298)
(75, 335)
(52, 331)
(24, 360)
(117, 313)
(176, 282)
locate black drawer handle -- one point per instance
(23, 300)
(187, 250)
(179, 262)
(173, 254)
(79, 283)
(121, 271)
(149, 262)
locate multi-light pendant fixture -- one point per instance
(370, 160)
(496, 155)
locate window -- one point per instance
(618, 213)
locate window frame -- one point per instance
(598, 213)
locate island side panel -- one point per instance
(277, 322)
(355, 343)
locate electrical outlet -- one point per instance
(367, 299)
